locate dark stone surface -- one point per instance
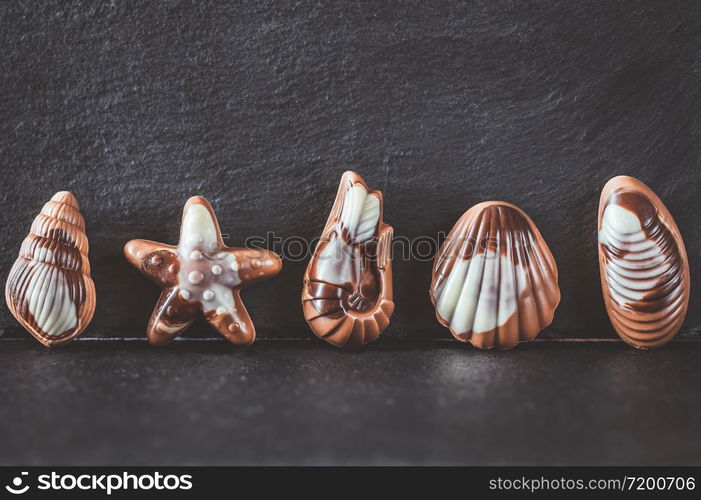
(301, 402)
(260, 106)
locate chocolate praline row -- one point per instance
(494, 282)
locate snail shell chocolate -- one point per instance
(347, 293)
(643, 264)
(49, 289)
(494, 279)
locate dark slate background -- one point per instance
(260, 106)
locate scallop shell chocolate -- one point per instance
(643, 263)
(347, 292)
(49, 289)
(494, 278)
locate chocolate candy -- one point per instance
(49, 289)
(643, 263)
(347, 293)
(494, 279)
(200, 275)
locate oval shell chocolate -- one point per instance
(643, 263)
(347, 293)
(49, 289)
(494, 278)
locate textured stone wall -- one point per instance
(260, 106)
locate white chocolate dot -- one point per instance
(216, 270)
(185, 294)
(208, 295)
(235, 265)
(195, 277)
(221, 310)
(196, 255)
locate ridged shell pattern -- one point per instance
(49, 289)
(494, 278)
(347, 293)
(643, 264)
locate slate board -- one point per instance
(306, 403)
(260, 106)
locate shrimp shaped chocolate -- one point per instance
(347, 294)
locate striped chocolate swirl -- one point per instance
(49, 289)
(643, 269)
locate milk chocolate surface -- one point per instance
(49, 289)
(200, 276)
(347, 292)
(643, 264)
(494, 279)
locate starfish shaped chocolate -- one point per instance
(200, 275)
